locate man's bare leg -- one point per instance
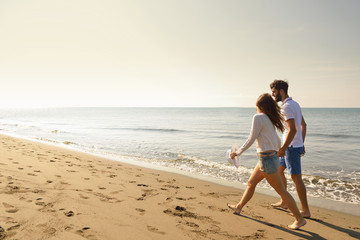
(301, 191)
(275, 181)
(281, 203)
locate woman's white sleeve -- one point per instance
(254, 133)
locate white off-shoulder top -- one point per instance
(264, 132)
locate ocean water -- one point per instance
(195, 140)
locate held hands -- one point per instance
(233, 155)
(281, 152)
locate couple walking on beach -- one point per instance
(269, 118)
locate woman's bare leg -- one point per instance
(254, 179)
(275, 181)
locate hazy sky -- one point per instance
(177, 53)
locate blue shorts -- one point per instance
(268, 162)
(291, 161)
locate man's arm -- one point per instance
(303, 128)
(303, 131)
(289, 137)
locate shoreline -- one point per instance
(339, 206)
(50, 192)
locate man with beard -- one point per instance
(293, 143)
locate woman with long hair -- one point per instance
(263, 130)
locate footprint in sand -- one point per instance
(83, 197)
(46, 229)
(86, 233)
(214, 208)
(6, 205)
(13, 227)
(69, 228)
(69, 213)
(171, 186)
(159, 180)
(210, 194)
(116, 192)
(2, 233)
(191, 224)
(11, 189)
(185, 199)
(142, 185)
(50, 231)
(141, 211)
(39, 202)
(154, 230)
(10, 208)
(182, 212)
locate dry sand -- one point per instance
(50, 192)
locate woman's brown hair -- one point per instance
(267, 105)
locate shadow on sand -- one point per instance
(299, 233)
(351, 233)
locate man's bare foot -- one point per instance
(297, 225)
(233, 207)
(279, 205)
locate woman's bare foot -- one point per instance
(304, 214)
(297, 225)
(279, 205)
(233, 207)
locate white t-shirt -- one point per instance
(264, 132)
(291, 110)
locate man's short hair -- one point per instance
(280, 84)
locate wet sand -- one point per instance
(50, 192)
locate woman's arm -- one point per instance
(254, 133)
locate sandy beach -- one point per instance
(50, 192)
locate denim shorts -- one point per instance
(291, 161)
(268, 162)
